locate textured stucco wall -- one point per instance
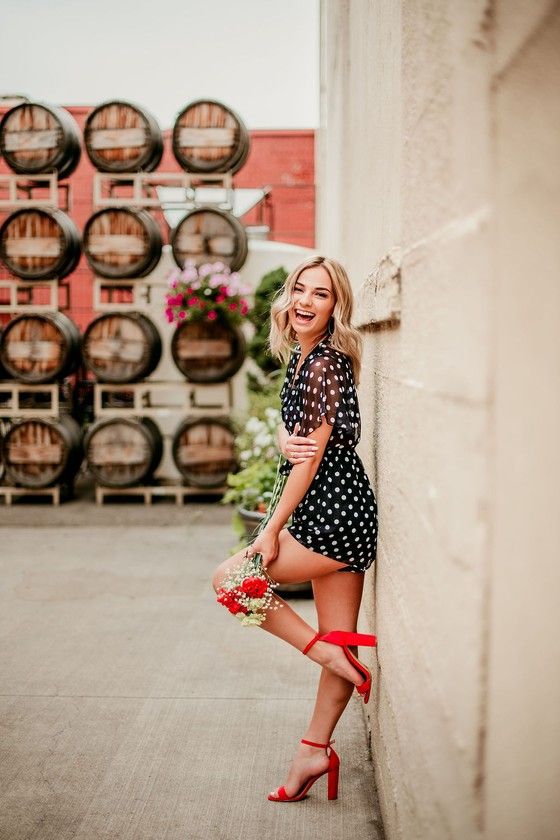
(523, 719)
(419, 194)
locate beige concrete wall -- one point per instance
(424, 180)
(523, 718)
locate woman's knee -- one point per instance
(220, 571)
(218, 576)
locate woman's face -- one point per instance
(312, 303)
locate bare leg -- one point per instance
(296, 564)
(337, 598)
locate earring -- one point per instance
(330, 326)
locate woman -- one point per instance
(328, 495)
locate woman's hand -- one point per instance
(266, 544)
(297, 449)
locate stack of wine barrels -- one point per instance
(39, 348)
(208, 138)
(122, 348)
(40, 450)
(120, 243)
(125, 242)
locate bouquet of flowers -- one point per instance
(248, 592)
(207, 292)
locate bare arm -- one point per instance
(295, 448)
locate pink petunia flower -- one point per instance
(212, 314)
(189, 274)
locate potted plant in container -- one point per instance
(257, 451)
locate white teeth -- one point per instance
(304, 312)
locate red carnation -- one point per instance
(236, 608)
(254, 587)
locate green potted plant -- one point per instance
(250, 488)
(259, 316)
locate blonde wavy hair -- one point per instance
(345, 337)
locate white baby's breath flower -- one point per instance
(253, 425)
(263, 439)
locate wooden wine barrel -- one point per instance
(40, 347)
(122, 242)
(209, 137)
(3, 372)
(122, 137)
(121, 347)
(122, 452)
(42, 451)
(208, 351)
(39, 244)
(36, 138)
(209, 235)
(203, 450)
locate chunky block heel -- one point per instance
(332, 778)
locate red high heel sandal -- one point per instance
(342, 638)
(332, 779)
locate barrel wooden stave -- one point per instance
(207, 351)
(36, 138)
(203, 450)
(123, 452)
(123, 137)
(120, 347)
(122, 242)
(210, 137)
(37, 348)
(208, 234)
(39, 451)
(39, 243)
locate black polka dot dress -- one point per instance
(337, 517)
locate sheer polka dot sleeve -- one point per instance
(325, 395)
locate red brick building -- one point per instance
(281, 160)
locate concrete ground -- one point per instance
(133, 706)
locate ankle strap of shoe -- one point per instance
(312, 642)
(341, 637)
(313, 744)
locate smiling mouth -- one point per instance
(302, 316)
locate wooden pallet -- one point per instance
(139, 293)
(148, 399)
(13, 390)
(16, 191)
(58, 493)
(12, 291)
(147, 494)
(137, 189)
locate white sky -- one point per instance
(258, 56)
